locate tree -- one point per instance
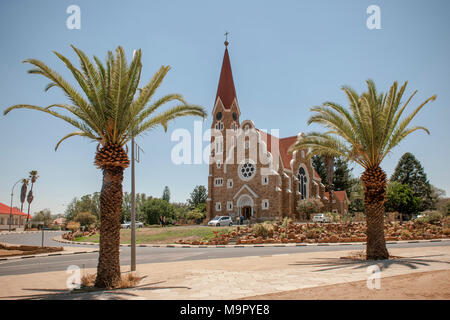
(126, 206)
(181, 210)
(85, 218)
(166, 194)
(33, 177)
(309, 206)
(111, 112)
(356, 196)
(198, 196)
(87, 203)
(23, 193)
(401, 198)
(155, 208)
(409, 171)
(319, 166)
(342, 179)
(365, 134)
(42, 216)
(198, 213)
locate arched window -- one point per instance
(302, 182)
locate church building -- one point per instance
(251, 172)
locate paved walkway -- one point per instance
(233, 278)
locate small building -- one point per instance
(18, 218)
(340, 202)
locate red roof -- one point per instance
(4, 209)
(339, 195)
(226, 90)
(283, 144)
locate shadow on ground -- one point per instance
(117, 294)
(327, 264)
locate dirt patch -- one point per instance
(10, 250)
(431, 285)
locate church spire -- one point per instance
(226, 90)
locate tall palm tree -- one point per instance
(23, 194)
(365, 134)
(33, 175)
(110, 112)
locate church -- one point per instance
(251, 172)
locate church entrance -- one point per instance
(246, 212)
(245, 206)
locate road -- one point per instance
(154, 255)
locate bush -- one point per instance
(286, 222)
(263, 230)
(334, 216)
(85, 218)
(433, 217)
(197, 214)
(73, 226)
(309, 206)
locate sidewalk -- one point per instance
(234, 278)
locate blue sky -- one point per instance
(286, 56)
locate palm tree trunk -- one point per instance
(108, 269)
(29, 204)
(374, 182)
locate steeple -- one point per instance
(226, 90)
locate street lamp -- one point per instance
(10, 208)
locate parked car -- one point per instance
(127, 225)
(221, 221)
(320, 217)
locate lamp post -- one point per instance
(10, 208)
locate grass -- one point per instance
(164, 235)
(128, 280)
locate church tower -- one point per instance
(225, 117)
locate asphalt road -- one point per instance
(154, 255)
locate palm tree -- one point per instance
(23, 193)
(365, 134)
(33, 175)
(111, 112)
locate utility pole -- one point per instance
(135, 157)
(135, 149)
(133, 213)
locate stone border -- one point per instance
(59, 239)
(20, 232)
(46, 255)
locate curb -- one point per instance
(27, 232)
(59, 239)
(45, 255)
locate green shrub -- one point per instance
(286, 221)
(263, 230)
(433, 217)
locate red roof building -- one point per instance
(19, 218)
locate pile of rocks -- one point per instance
(71, 236)
(324, 233)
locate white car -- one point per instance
(221, 221)
(320, 217)
(127, 225)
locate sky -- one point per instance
(286, 57)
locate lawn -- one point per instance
(164, 235)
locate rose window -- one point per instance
(247, 171)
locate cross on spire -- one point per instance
(226, 38)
